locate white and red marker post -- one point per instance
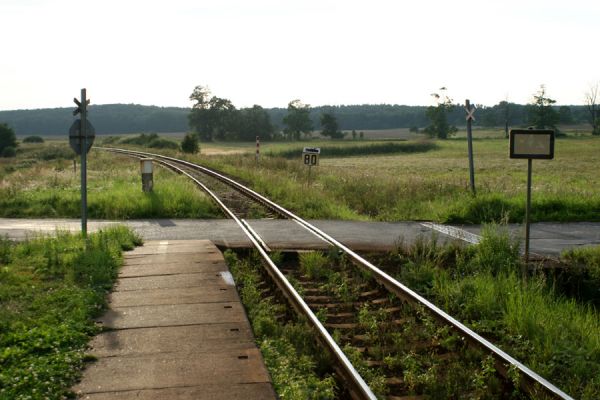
(257, 149)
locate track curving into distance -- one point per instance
(531, 382)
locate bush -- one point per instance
(9, 152)
(7, 139)
(151, 140)
(33, 139)
(190, 143)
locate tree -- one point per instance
(211, 118)
(297, 120)
(564, 115)
(438, 118)
(593, 109)
(330, 126)
(189, 144)
(254, 122)
(541, 113)
(7, 139)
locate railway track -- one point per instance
(383, 324)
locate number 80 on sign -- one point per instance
(310, 156)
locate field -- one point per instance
(425, 183)
(42, 181)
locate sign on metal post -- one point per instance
(310, 157)
(470, 117)
(530, 144)
(81, 138)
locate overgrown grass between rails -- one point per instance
(363, 150)
(297, 368)
(482, 286)
(50, 289)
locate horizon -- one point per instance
(269, 52)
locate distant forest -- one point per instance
(131, 118)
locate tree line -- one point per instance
(215, 118)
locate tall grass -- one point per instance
(431, 185)
(330, 150)
(50, 289)
(482, 286)
(114, 192)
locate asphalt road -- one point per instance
(546, 238)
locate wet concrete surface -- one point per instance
(546, 238)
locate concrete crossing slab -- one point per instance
(178, 331)
(230, 391)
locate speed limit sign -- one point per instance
(310, 156)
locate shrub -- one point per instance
(9, 152)
(7, 138)
(190, 143)
(33, 139)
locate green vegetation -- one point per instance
(151, 140)
(50, 289)
(482, 286)
(189, 144)
(431, 185)
(31, 188)
(33, 139)
(295, 364)
(8, 141)
(133, 118)
(217, 118)
(438, 116)
(350, 150)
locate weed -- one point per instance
(50, 289)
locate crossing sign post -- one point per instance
(530, 144)
(310, 157)
(81, 137)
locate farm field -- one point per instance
(426, 182)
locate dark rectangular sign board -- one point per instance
(532, 143)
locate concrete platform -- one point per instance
(177, 330)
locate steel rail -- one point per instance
(531, 378)
(358, 388)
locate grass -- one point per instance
(50, 289)
(33, 188)
(431, 185)
(556, 336)
(366, 149)
(295, 364)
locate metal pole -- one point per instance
(84, 163)
(527, 209)
(470, 144)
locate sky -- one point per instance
(269, 52)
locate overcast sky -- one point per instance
(269, 52)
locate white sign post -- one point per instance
(531, 144)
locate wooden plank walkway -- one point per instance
(177, 330)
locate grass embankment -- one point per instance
(41, 182)
(429, 185)
(295, 364)
(482, 285)
(50, 289)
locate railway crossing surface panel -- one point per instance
(176, 329)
